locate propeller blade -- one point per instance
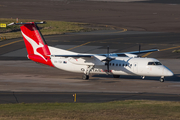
(107, 66)
(108, 59)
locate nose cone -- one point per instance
(168, 72)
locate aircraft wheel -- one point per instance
(116, 76)
(161, 79)
(143, 77)
(85, 77)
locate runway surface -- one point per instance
(97, 42)
(40, 97)
(148, 23)
(28, 76)
(143, 1)
(23, 76)
(153, 15)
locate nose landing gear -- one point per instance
(162, 79)
(143, 77)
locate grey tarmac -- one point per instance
(27, 76)
(22, 80)
(23, 76)
(29, 82)
(151, 15)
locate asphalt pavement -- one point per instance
(151, 15)
(97, 41)
(152, 24)
(40, 97)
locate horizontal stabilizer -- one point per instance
(21, 23)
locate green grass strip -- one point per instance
(50, 28)
(118, 110)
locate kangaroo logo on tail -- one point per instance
(34, 45)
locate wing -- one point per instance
(143, 51)
(76, 56)
(111, 54)
(133, 52)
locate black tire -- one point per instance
(116, 76)
(85, 77)
(161, 79)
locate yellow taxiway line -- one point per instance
(161, 50)
(79, 46)
(10, 43)
(92, 42)
(124, 30)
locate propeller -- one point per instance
(108, 59)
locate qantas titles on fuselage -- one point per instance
(120, 66)
(110, 63)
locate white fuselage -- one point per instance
(119, 66)
(109, 63)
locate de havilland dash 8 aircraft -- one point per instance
(109, 63)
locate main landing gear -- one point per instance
(85, 77)
(116, 76)
(86, 72)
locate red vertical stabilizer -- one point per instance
(36, 46)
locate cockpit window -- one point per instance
(154, 63)
(151, 63)
(158, 63)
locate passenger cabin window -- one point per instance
(154, 63)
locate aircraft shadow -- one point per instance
(175, 78)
